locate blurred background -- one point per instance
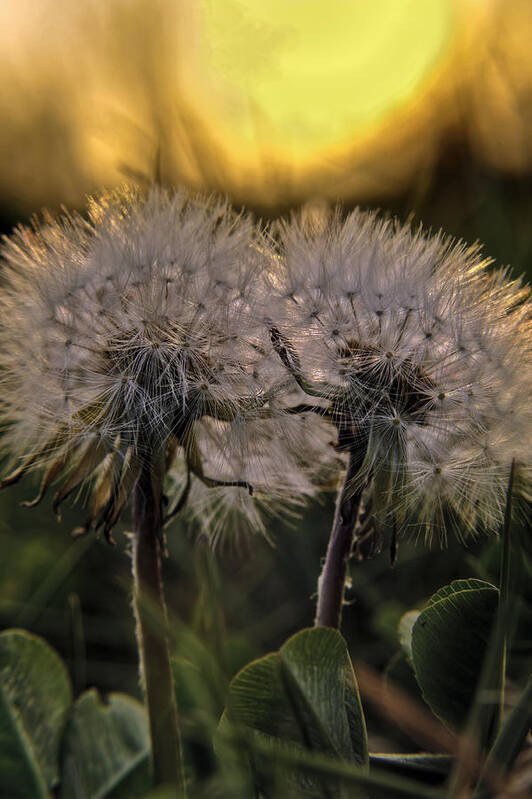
(420, 107)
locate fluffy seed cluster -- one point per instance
(134, 335)
(420, 356)
(171, 329)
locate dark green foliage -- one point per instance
(449, 644)
(88, 749)
(305, 695)
(106, 748)
(35, 696)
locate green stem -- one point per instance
(331, 584)
(152, 631)
(503, 611)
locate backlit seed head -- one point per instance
(121, 334)
(421, 353)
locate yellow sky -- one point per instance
(270, 101)
(314, 72)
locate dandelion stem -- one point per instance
(152, 632)
(505, 594)
(331, 583)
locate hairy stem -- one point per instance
(152, 631)
(331, 583)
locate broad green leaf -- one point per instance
(306, 693)
(446, 591)
(449, 643)
(303, 696)
(106, 748)
(318, 675)
(257, 699)
(35, 695)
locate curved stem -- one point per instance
(331, 582)
(152, 631)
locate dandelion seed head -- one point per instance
(421, 352)
(123, 332)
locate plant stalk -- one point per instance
(152, 631)
(331, 583)
(505, 595)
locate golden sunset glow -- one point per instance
(312, 74)
(271, 102)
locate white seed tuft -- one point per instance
(122, 335)
(422, 355)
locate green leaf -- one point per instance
(35, 695)
(470, 584)
(306, 693)
(320, 681)
(106, 748)
(449, 643)
(303, 696)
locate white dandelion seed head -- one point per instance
(139, 311)
(124, 331)
(423, 354)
